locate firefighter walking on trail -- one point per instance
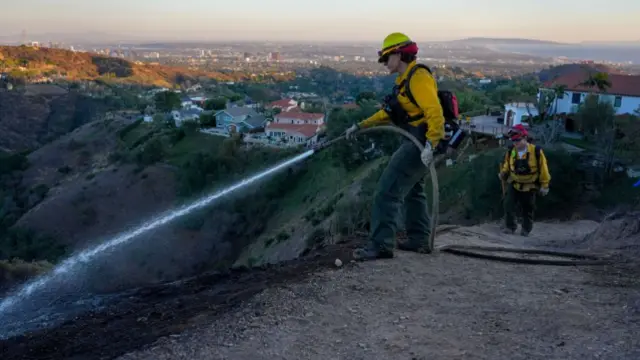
(413, 105)
(525, 171)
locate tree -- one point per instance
(166, 101)
(598, 80)
(598, 121)
(159, 120)
(366, 95)
(215, 104)
(190, 127)
(235, 97)
(207, 120)
(547, 129)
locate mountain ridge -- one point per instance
(32, 62)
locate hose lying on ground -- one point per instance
(475, 250)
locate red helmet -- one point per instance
(517, 132)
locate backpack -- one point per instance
(538, 151)
(448, 100)
(449, 104)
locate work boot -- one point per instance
(406, 246)
(524, 233)
(371, 253)
(509, 231)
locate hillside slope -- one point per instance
(96, 183)
(431, 307)
(28, 122)
(65, 64)
(436, 306)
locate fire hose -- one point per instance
(476, 251)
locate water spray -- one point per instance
(71, 263)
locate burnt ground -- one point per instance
(161, 310)
(436, 306)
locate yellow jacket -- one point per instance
(425, 91)
(526, 182)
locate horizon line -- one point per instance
(109, 37)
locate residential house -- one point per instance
(299, 118)
(180, 116)
(518, 113)
(186, 102)
(194, 88)
(295, 127)
(624, 92)
(198, 100)
(283, 105)
(190, 114)
(239, 119)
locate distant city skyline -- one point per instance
(570, 21)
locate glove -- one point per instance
(351, 131)
(427, 154)
(544, 191)
(503, 176)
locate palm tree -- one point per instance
(598, 80)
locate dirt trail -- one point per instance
(436, 306)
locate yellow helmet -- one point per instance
(392, 43)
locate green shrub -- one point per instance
(12, 162)
(30, 246)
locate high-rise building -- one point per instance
(274, 56)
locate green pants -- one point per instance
(526, 200)
(401, 183)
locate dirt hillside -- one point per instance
(436, 306)
(432, 307)
(69, 65)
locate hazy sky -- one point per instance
(561, 20)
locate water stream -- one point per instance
(14, 308)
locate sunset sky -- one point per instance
(358, 20)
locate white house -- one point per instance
(299, 118)
(518, 113)
(178, 117)
(295, 128)
(186, 102)
(624, 92)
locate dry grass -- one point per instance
(16, 271)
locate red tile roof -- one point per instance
(284, 103)
(298, 115)
(307, 130)
(624, 85)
